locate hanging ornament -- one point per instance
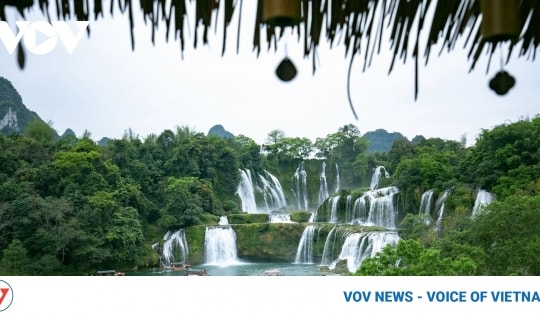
(286, 71)
(502, 82)
(282, 12)
(500, 20)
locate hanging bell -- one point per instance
(502, 82)
(286, 71)
(500, 20)
(282, 12)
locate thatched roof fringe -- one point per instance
(353, 22)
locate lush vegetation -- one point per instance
(503, 238)
(69, 205)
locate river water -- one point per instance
(243, 269)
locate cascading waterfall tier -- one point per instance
(439, 208)
(262, 195)
(483, 198)
(300, 187)
(304, 253)
(426, 202)
(175, 248)
(373, 208)
(341, 243)
(280, 218)
(246, 192)
(376, 177)
(359, 246)
(220, 246)
(338, 180)
(323, 185)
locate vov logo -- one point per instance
(47, 33)
(6, 295)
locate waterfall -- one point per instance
(323, 185)
(373, 208)
(274, 196)
(175, 248)
(268, 186)
(313, 217)
(334, 201)
(439, 206)
(245, 192)
(223, 220)
(359, 246)
(482, 198)
(376, 177)
(338, 180)
(426, 202)
(329, 248)
(376, 207)
(382, 211)
(280, 218)
(220, 246)
(348, 210)
(300, 183)
(360, 210)
(304, 253)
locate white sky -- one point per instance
(106, 88)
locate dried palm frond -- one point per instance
(349, 23)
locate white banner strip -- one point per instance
(253, 295)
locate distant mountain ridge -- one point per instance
(15, 117)
(218, 130)
(381, 140)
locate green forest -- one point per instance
(71, 206)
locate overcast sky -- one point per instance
(106, 88)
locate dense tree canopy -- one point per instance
(69, 205)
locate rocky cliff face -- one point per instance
(14, 115)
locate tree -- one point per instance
(15, 259)
(40, 131)
(501, 151)
(348, 149)
(410, 258)
(296, 148)
(249, 152)
(505, 228)
(125, 236)
(183, 204)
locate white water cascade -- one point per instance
(223, 220)
(220, 246)
(483, 198)
(323, 185)
(439, 207)
(338, 180)
(274, 197)
(334, 201)
(267, 186)
(373, 208)
(426, 202)
(376, 177)
(329, 247)
(280, 218)
(300, 187)
(376, 208)
(304, 253)
(175, 248)
(246, 193)
(359, 246)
